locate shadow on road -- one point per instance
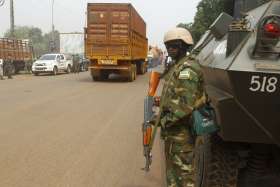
(113, 78)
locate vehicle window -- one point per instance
(47, 57)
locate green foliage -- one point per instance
(209, 10)
(40, 41)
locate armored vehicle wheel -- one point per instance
(215, 165)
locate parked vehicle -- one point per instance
(52, 63)
(19, 51)
(115, 40)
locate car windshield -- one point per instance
(48, 57)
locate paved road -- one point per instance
(66, 130)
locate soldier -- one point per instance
(1, 70)
(182, 92)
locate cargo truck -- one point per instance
(19, 51)
(115, 40)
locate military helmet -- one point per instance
(178, 34)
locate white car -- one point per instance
(52, 63)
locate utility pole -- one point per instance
(52, 43)
(12, 29)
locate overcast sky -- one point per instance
(69, 15)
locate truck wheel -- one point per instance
(55, 70)
(95, 78)
(215, 165)
(134, 70)
(36, 74)
(142, 68)
(130, 75)
(104, 75)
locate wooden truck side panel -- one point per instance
(18, 50)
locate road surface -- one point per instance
(67, 130)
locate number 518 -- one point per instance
(263, 84)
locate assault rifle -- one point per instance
(149, 115)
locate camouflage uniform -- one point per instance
(182, 91)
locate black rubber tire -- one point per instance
(55, 71)
(36, 74)
(134, 72)
(95, 78)
(142, 68)
(215, 164)
(103, 76)
(131, 75)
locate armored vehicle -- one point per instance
(240, 60)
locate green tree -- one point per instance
(40, 41)
(209, 10)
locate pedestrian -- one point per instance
(182, 92)
(1, 69)
(76, 64)
(8, 68)
(28, 66)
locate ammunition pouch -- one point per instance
(204, 121)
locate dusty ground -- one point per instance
(67, 130)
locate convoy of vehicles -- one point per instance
(240, 60)
(115, 40)
(52, 63)
(19, 51)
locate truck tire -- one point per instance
(141, 69)
(55, 71)
(95, 78)
(104, 75)
(132, 73)
(215, 165)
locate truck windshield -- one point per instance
(48, 57)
